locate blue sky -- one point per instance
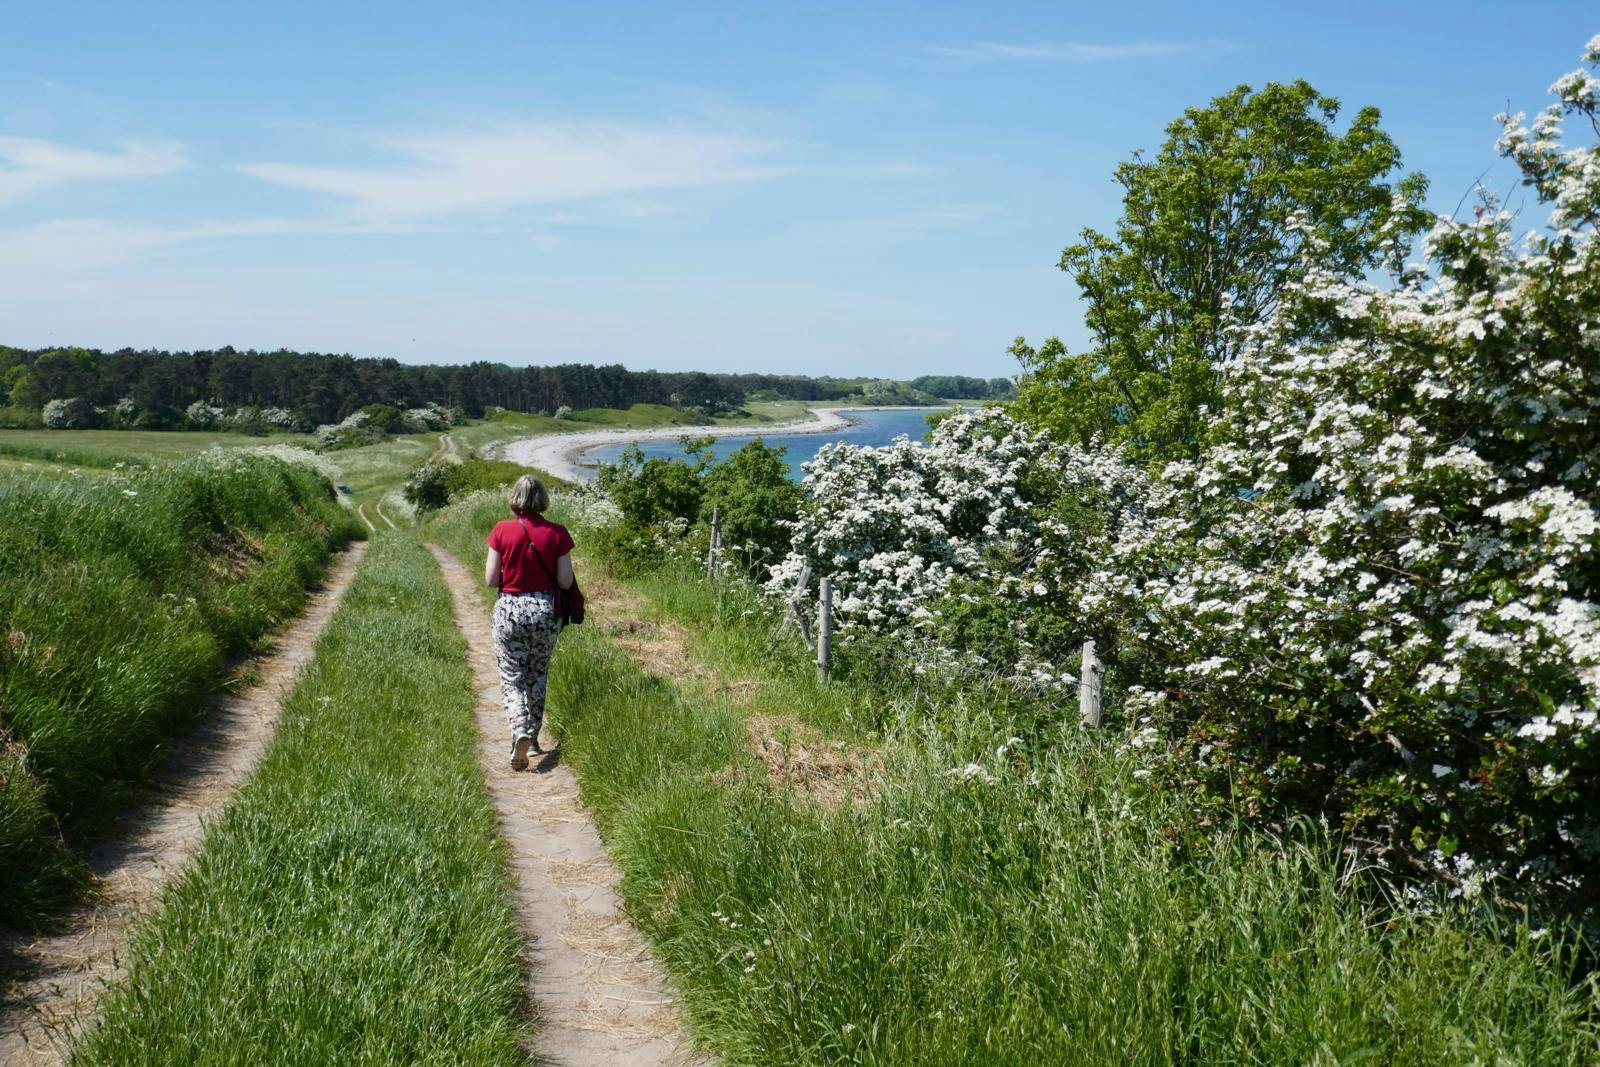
(824, 189)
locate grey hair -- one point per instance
(528, 496)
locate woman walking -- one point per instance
(529, 560)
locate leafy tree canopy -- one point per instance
(1205, 242)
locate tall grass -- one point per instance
(1033, 911)
(1019, 907)
(70, 455)
(351, 905)
(121, 599)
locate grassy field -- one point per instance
(351, 905)
(122, 597)
(372, 472)
(107, 448)
(993, 903)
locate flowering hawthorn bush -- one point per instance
(73, 413)
(204, 414)
(428, 417)
(1375, 596)
(356, 430)
(894, 525)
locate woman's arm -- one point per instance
(564, 576)
(491, 569)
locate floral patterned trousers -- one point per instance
(525, 629)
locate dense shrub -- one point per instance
(73, 413)
(439, 482)
(13, 417)
(654, 490)
(662, 500)
(355, 431)
(204, 414)
(124, 414)
(428, 487)
(895, 525)
(429, 417)
(386, 418)
(122, 597)
(757, 502)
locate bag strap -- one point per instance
(533, 547)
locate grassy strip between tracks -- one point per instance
(1009, 908)
(351, 904)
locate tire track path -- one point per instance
(600, 995)
(60, 976)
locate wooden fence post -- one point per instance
(1090, 710)
(796, 616)
(824, 629)
(714, 553)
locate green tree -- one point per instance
(655, 490)
(752, 490)
(56, 375)
(1205, 242)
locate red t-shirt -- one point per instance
(519, 571)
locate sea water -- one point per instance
(872, 428)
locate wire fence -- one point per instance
(1086, 681)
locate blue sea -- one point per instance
(873, 428)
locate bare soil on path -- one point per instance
(58, 978)
(600, 996)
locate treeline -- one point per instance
(325, 388)
(960, 387)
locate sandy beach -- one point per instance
(561, 454)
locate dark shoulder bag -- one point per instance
(569, 602)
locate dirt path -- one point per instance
(600, 994)
(61, 975)
(362, 511)
(378, 507)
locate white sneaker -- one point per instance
(519, 753)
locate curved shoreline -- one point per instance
(562, 454)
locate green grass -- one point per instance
(1035, 912)
(351, 905)
(106, 448)
(122, 597)
(373, 470)
(778, 672)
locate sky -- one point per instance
(849, 189)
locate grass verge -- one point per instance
(351, 905)
(122, 598)
(1002, 903)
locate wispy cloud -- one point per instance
(509, 165)
(27, 164)
(47, 251)
(1079, 51)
